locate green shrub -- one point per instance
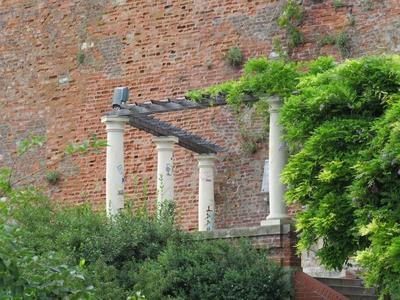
(53, 177)
(234, 57)
(212, 270)
(343, 43)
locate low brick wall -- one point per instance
(280, 240)
(308, 288)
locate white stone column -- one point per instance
(114, 163)
(206, 211)
(278, 155)
(165, 167)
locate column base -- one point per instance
(276, 221)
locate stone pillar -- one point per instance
(278, 155)
(206, 210)
(165, 175)
(114, 163)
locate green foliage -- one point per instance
(5, 185)
(112, 249)
(343, 43)
(53, 177)
(343, 131)
(52, 252)
(278, 49)
(262, 78)
(341, 125)
(342, 40)
(337, 4)
(328, 39)
(317, 176)
(234, 57)
(320, 65)
(376, 192)
(27, 144)
(212, 270)
(290, 18)
(381, 260)
(26, 274)
(80, 57)
(210, 93)
(351, 19)
(91, 144)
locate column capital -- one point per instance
(275, 103)
(165, 142)
(114, 123)
(206, 160)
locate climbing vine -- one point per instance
(341, 125)
(343, 130)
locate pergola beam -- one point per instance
(160, 128)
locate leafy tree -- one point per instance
(343, 130)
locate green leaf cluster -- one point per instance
(260, 78)
(92, 144)
(26, 273)
(31, 143)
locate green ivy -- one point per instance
(92, 144)
(261, 77)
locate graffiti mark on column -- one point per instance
(120, 169)
(210, 219)
(168, 169)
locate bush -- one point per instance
(24, 274)
(212, 270)
(77, 253)
(234, 57)
(112, 249)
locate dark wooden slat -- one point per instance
(160, 128)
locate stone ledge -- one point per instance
(247, 231)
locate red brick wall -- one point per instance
(60, 60)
